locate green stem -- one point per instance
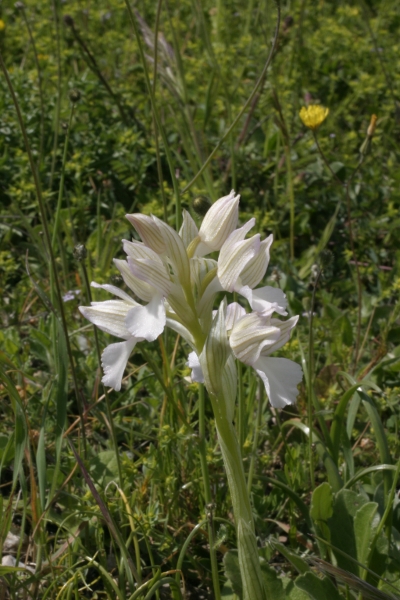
(252, 582)
(259, 399)
(40, 84)
(58, 102)
(291, 197)
(310, 384)
(207, 493)
(168, 154)
(61, 188)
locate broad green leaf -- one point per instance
(317, 588)
(273, 583)
(341, 527)
(322, 503)
(364, 530)
(232, 572)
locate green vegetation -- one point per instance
(104, 492)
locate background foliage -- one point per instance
(323, 504)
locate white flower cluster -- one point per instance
(170, 274)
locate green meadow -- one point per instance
(154, 108)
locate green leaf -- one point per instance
(232, 572)
(364, 529)
(299, 564)
(317, 588)
(322, 503)
(341, 526)
(273, 583)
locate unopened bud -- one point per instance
(68, 20)
(80, 252)
(201, 204)
(372, 126)
(74, 96)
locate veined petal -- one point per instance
(152, 272)
(199, 269)
(113, 361)
(194, 364)
(148, 231)
(205, 303)
(251, 335)
(109, 316)
(257, 266)
(179, 328)
(188, 230)
(177, 301)
(238, 235)
(144, 290)
(281, 377)
(175, 251)
(265, 299)
(234, 312)
(138, 250)
(232, 260)
(112, 289)
(285, 328)
(219, 222)
(147, 322)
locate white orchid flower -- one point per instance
(178, 287)
(253, 338)
(242, 264)
(219, 222)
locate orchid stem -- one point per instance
(207, 492)
(249, 564)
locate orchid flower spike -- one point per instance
(174, 285)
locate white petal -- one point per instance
(137, 250)
(265, 298)
(234, 312)
(257, 266)
(218, 223)
(285, 328)
(252, 334)
(109, 316)
(112, 289)
(189, 230)
(233, 260)
(113, 361)
(144, 290)
(281, 377)
(194, 364)
(148, 321)
(148, 231)
(175, 251)
(179, 328)
(152, 272)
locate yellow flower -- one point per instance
(2, 25)
(313, 115)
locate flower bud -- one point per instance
(372, 126)
(201, 205)
(68, 20)
(219, 222)
(74, 96)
